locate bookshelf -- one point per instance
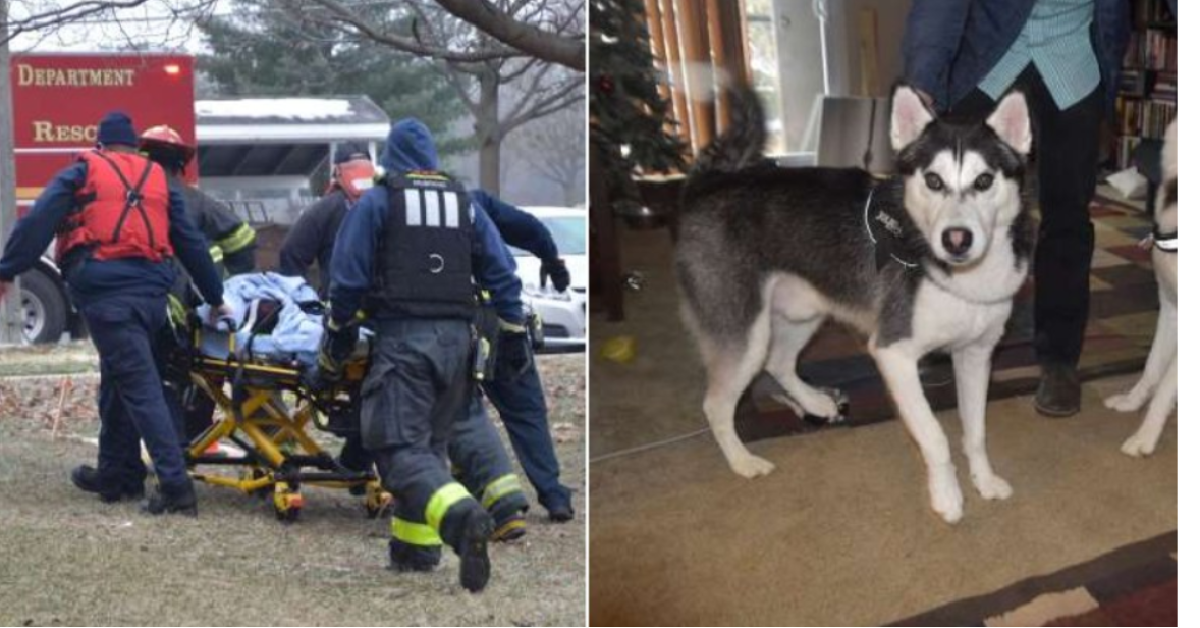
(1149, 90)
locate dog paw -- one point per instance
(1139, 445)
(993, 487)
(946, 496)
(751, 466)
(1124, 403)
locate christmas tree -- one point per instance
(630, 121)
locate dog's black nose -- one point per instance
(957, 241)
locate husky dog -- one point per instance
(928, 259)
(1159, 384)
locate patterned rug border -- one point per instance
(1109, 577)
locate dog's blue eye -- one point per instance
(934, 182)
(984, 182)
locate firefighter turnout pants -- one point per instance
(417, 394)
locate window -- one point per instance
(764, 66)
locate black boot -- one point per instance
(404, 557)
(509, 524)
(1059, 392)
(110, 490)
(468, 532)
(561, 513)
(173, 499)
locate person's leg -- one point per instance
(1067, 148)
(417, 369)
(125, 348)
(476, 450)
(521, 402)
(119, 471)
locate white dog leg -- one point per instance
(900, 372)
(788, 339)
(729, 373)
(1143, 442)
(1162, 352)
(972, 368)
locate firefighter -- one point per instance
(119, 221)
(232, 241)
(482, 462)
(310, 240)
(418, 281)
(516, 390)
(231, 244)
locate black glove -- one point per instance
(337, 344)
(556, 270)
(514, 351)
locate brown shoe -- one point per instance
(1059, 392)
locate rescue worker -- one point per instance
(418, 282)
(232, 240)
(119, 222)
(516, 390)
(311, 239)
(231, 244)
(482, 462)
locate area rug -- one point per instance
(1136, 585)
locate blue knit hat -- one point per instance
(116, 128)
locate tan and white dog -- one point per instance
(1159, 383)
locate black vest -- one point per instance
(423, 264)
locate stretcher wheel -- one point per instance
(288, 502)
(378, 501)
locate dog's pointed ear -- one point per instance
(910, 116)
(1011, 122)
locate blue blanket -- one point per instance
(296, 336)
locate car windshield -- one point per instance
(569, 233)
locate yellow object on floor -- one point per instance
(620, 349)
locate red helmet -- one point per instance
(161, 139)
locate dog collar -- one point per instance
(891, 233)
(1166, 242)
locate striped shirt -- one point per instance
(1057, 40)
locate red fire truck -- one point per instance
(57, 101)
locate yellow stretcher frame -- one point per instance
(270, 434)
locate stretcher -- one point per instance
(265, 411)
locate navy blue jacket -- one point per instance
(92, 279)
(517, 227)
(951, 45)
(352, 270)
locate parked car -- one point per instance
(564, 314)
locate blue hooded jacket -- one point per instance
(352, 271)
(518, 228)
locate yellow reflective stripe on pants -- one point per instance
(442, 500)
(501, 486)
(414, 533)
(216, 253)
(241, 238)
(175, 311)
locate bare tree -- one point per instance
(478, 65)
(555, 148)
(548, 44)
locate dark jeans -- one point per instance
(1066, 151)
(519, 399)
(132, 405)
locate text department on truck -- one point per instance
(57, 99)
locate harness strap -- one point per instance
(133, 198)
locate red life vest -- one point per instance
(122, 210)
